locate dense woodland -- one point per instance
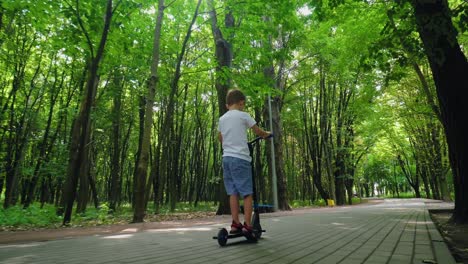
(116, 102)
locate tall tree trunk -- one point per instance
(171, 150)
(224, 55)
(160, 183)
(79, 149)
(325, 111)
(83, 186)
(141, 170)
(341, 144)
(115, 177)
(261, 192)
(413, 181)
(449, 68)
(141, 126)
(312, 137)
(428, 186)
(351, 165)
(43, 147)
(14, 127)
(18, 138)
(438, 164)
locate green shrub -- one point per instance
(34, 216)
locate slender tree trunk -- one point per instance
(439, 170)
(141, 170)
(313, 146)
(325, 131)
(172, 150)
(160, 183)
(115, 177)
(15, 127)
(79, 149)
(91, 173)
(83, 186)
(261, 192)
(412, 181)
(351, 167)
(44, 146)
(427, 186)
(18, 138)
(341, 145)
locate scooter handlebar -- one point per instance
(260, 138)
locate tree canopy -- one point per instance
(117, 102)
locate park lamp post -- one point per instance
(273, 162)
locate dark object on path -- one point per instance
(223, 234)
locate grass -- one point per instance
(34, 217)
(17, 218)
(318, 203)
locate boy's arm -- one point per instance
(260, 132)
(220, 137)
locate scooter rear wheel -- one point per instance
(256, 225)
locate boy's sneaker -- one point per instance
(236, 228)
(249, 232)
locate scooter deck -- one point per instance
(231, 236)
(223, 236)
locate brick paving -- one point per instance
(394, 231)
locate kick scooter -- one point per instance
(223, 234)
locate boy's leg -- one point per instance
(236, 226)
(228, 168)
(248, 207)
(234, 203)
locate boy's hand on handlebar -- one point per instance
(268, 134)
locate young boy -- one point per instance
(232, 134)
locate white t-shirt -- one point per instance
(233, 126)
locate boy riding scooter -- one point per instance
(233, 126)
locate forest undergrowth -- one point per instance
(16, 218)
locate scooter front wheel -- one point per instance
(222, 237)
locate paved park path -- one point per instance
(392, 231)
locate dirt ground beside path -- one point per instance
(40, 235)
(456, 236)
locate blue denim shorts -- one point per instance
(237, 176)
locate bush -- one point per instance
(34, 216)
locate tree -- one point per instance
(80, 142)
(145, 142)
(449, 68)
(224, 56)
(347, 79)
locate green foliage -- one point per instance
(460, 15)
(301, 203)
(343, 44)
(17, 218)
(34, 216)
(404, 195)
(185, 207)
